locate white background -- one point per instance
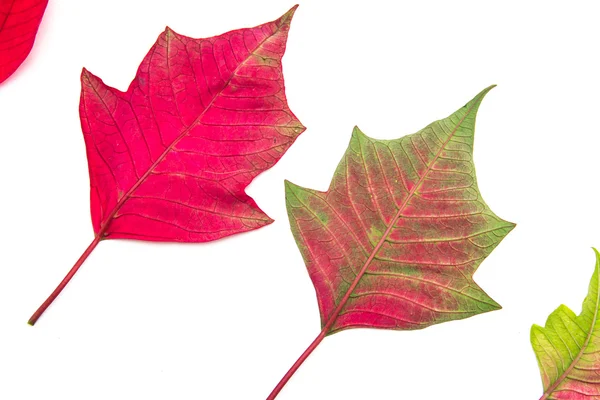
(225, 320)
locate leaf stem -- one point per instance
(36, 315)
(297, 364)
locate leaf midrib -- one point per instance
(564, 375)
(342, 303)
(196, 122)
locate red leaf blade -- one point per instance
(170, 158)
(19, 23)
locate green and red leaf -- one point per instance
(395, 240)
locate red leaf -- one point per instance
(170, 158)
(19, 22)
(395, 240)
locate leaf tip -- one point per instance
(287, 17)
(87, 77)
(493, 305)
(482, 94)
(564, 308)
(291, 189)
(473, 105)
(535, 328)
(357, 133)
(597, 254)
(169, 32)
(289, 186)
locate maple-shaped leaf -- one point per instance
(169, 159)
(395, 240)
(568, 349)
(19, 23)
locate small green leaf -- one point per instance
(568, 349)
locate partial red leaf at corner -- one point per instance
(19, 22)
(170, 158)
